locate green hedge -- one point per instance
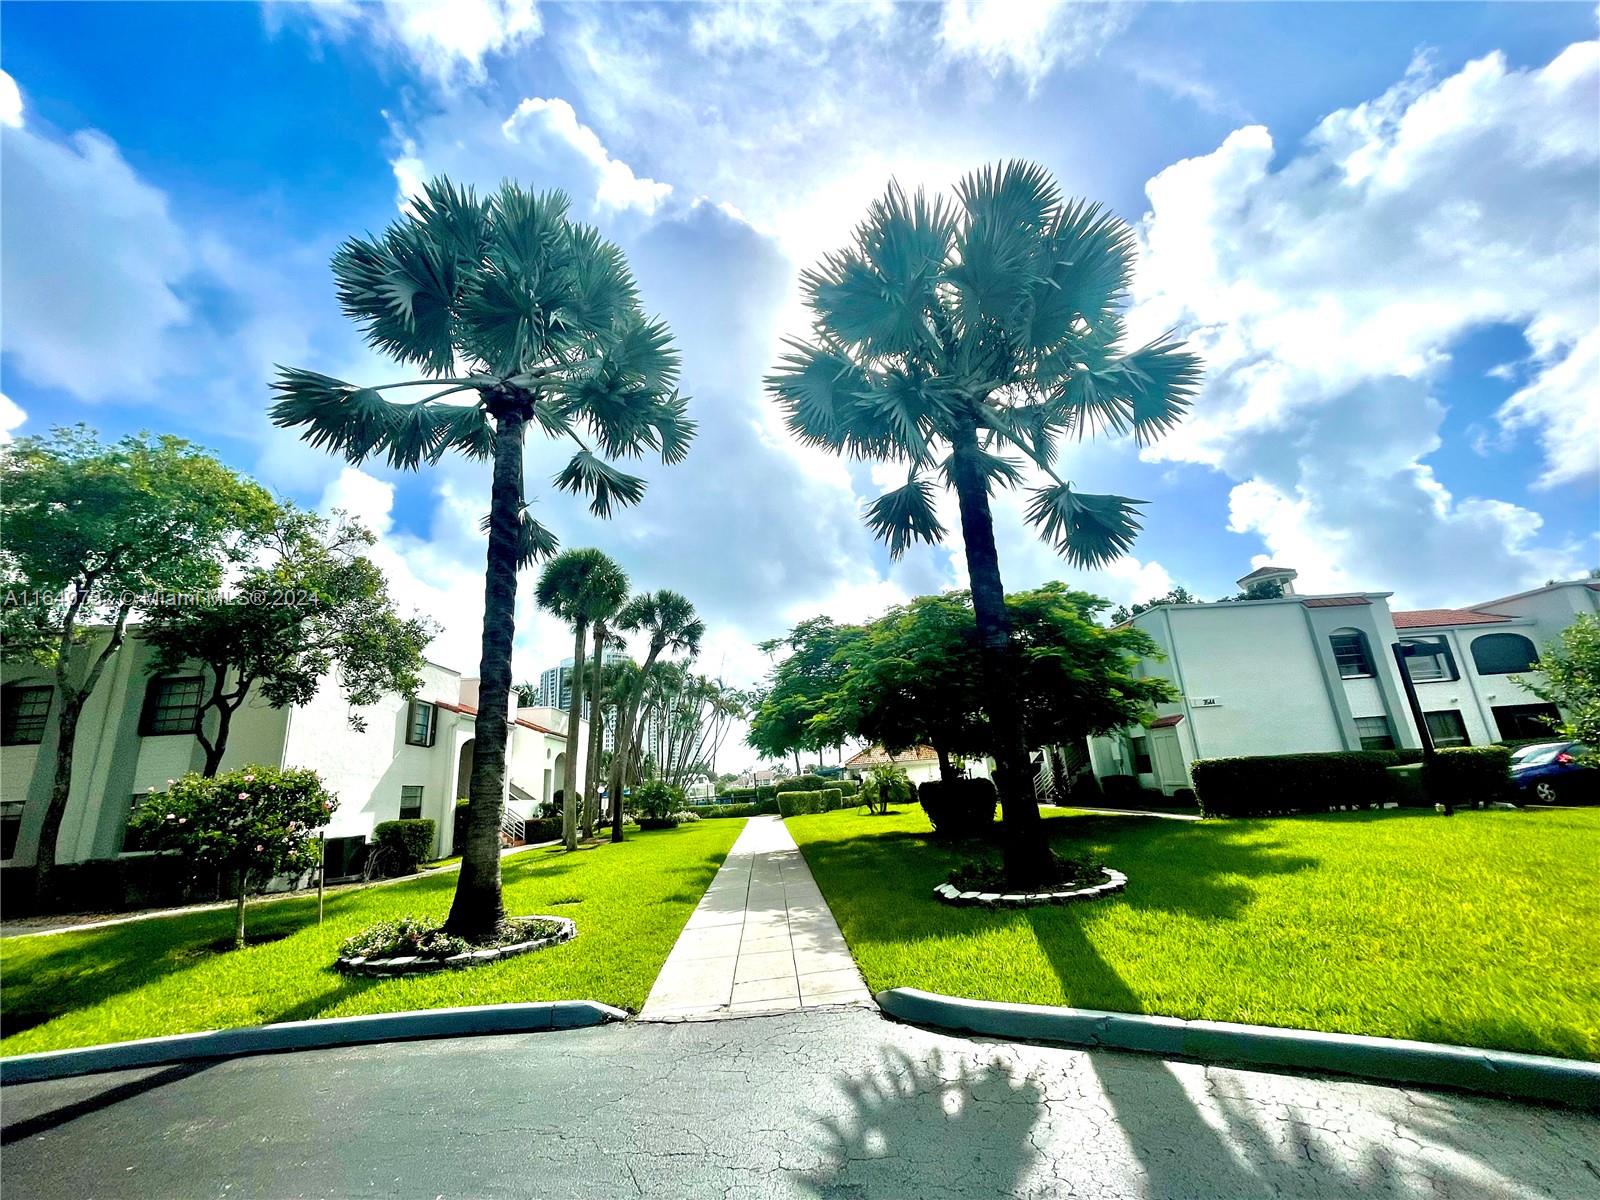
(406, 842)
(794, 804)
(755, 795)
(760, 808)
(802, 783)
(1467, 775)
(959, 808)
(1272, 784)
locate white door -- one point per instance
(1167, 757)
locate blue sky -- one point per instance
(1378, 223)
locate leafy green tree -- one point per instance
(1571, 680)
(96, 536)
(948, 335)
(794, 711)
(309, 603)
(527, 694)
(535, 319)
(578, 587)
(668, 619)
(1127, 612)
(254, 823)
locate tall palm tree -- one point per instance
(606, 604)
(579, 587)
(531, 319)
(949, 334)
(670, 622)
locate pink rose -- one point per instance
(244, 795)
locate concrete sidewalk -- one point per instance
(762, 940)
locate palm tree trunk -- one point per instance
(1026, 853)
(591, 770)
(478, 910)
(569, 797)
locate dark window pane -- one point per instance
(1141, 756)
(1374, 733)
(1446, 728)
(410, 803)
(10, 827)
(419, 724)
(172, 706)
(1350, 653)
(1518, 722)
(1504, 654)
(25, 709)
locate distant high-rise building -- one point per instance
(555, 691)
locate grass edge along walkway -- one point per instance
(1474, 930)
(150, 978)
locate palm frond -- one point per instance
(993, 468)
(1160, 380)
(606, 486)
(905, 515)
(467, 428)
(828, 401)
(1088, 530)
(337, 415)
(534, 541)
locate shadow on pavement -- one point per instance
(44, 1122)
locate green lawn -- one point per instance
(164, 976)
(1479, 929)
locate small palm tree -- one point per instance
(670, 622)
(580, 587)
(605, 607)
(535, 320)
(965, 340)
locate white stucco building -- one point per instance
(920, 763)
(410, 759)
(1308, 673)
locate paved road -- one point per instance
(834, 1105)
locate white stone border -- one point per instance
(1115, 882)
(411, 965)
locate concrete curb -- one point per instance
(309, 1035)
(1562, 1081)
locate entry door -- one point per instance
(1168, 758)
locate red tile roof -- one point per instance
(1166, 722)
(472, 712)
(874, 756)
(1423, 618)
(1334, 601)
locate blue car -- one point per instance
(1551, 772)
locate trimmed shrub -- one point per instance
(801, 783)
(1184, 796)
(1468, 775)
(794, 804)
(541, 829)
(764, 808)
(112, 885)
(960, 808)
(403, 843)
(850, 787)
(1272, 784)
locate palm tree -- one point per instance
(532, 319)
(580, 587)
(606, 604)
(947, 335)
(669, 619)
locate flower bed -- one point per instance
(409, 946)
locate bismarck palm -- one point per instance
(965, 341)
(535, 320)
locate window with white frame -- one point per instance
(410, 802)
(26, 707)
(421, 720)
(1446, 729)
(1428, 660)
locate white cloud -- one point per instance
(1031, 39)
(1325, 295)
(10, 102)
(11, 417)
(92, 265)
(447, 40)
(538, 121)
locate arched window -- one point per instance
(1351, 653)
(1428, 660)
(1504, 654)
